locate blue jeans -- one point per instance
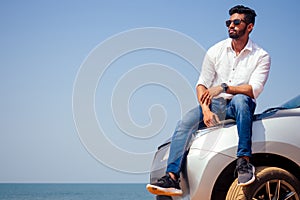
(240, 108)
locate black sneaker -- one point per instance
(246, 172)
(165, 186)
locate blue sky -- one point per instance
(44, 45)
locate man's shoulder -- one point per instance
(258, 48)
(223, 43)
(220, 45)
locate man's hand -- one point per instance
(210, 118)
(209, 94)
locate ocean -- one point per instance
(20, 191)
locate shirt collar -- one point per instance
(249, 45)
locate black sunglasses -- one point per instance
(235, 22)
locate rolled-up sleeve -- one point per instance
(260, 75)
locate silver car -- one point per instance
(211, 159)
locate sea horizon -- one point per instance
(74, 191)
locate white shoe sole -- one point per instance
(163, 191)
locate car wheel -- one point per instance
(270, 183)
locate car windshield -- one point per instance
(293, 103)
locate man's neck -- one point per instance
(239, 44)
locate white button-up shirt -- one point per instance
(222, 65)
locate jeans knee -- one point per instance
(243, 102)
(240, 98)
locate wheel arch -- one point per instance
(227, 176)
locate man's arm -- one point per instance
(260, 75)
(204, 103)
(209, 118)
(210, 93)
(241, 89)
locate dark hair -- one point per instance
(248, 12)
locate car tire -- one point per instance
(267, 179)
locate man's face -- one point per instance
(237, 31)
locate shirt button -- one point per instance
(229, 81)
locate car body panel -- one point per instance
(275, 132)
(269, 135)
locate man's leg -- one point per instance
(181, 139)
(241, 108)
(169, 184)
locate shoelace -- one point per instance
(244, 168)
(164, 179)
(167, 179)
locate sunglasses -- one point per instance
(235, 22)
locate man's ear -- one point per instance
(250, 27)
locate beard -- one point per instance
(237, 34)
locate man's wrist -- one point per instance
(204, 107)
(224, 87)
(231, 90)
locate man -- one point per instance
(234, 73)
